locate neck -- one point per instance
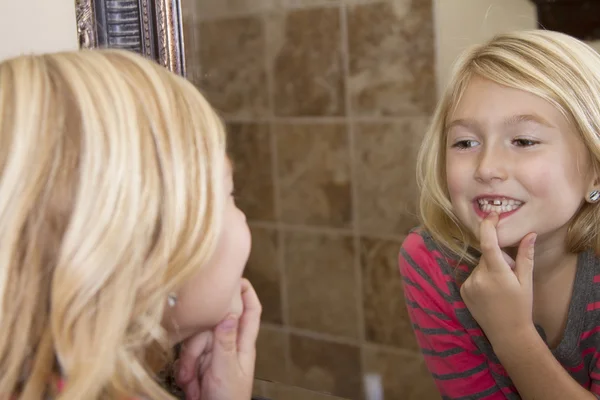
(551, 257)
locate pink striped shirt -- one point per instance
(457, 352)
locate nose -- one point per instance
(491, 165)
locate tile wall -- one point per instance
(326, 103)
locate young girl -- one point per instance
(502, 281)
(120, 237)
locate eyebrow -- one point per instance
(508, 122)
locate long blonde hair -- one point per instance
(111, 174)
(554, 66)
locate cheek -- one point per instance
(242, 240)
(554, 184)
(455, 179)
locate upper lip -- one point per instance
(495, 196)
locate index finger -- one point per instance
(488, 240)
(250, 319)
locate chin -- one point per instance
(509, 240)
(237, 306)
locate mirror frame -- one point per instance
(152, 28)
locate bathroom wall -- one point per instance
(463, 23)
(33, 26)
(326, 103)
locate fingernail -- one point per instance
(229, 324)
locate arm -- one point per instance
(455, 362)
(534, 370)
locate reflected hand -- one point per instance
(219, 364)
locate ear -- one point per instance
(593, 193)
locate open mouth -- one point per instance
(498, 205)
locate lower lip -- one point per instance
(484, 214)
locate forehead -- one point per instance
(489, 101)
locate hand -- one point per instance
(500, 299)
(219, 364)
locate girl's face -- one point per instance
(515, 153)
(214, 292)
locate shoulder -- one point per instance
(419, 246)
(429, 280)
(416, 239)
(419, 252)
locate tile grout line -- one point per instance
(280, 236)
(323, 120)
(197, 44)
(345, 47)
(353, 165)
(325, 337)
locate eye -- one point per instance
(524, 142)
(465, 144)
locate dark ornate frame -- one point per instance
(152, 28)
(578, 18)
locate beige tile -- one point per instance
(385, 175)
(271, 349)
(249, 147)
(327, 367)
(211, 9)
(314, 174)
(403, 375)
(304, 52)
(232, 56)
(321, 283)
(391, 51)
(386, 318)
(264, 272)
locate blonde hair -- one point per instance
(554, 66)
(111, 174)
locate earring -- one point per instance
(594, 196)
(171, 299)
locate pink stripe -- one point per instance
(595, 376)
(593, 306)
(475, 332)
(508, 390)
(597, 279)
(589, 333)
(581, 365)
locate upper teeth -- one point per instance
(499, 202)
(498, 205)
